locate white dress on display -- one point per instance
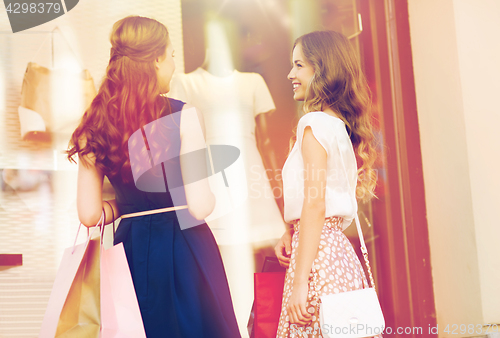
(246, 211)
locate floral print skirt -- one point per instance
(337, 269)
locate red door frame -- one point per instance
(403, 253)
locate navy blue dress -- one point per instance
(178, 274)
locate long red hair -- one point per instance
(128, 98)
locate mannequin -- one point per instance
(246, 215)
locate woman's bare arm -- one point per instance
(89, 193)
(311, 223)
(313, 209)
(199, 197)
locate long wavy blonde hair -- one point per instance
(128, 98)
(339, 83)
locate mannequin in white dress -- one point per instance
(246, 215)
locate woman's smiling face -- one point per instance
(301, 74)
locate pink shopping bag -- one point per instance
(73, 308)
(120, 314)
(93, 294)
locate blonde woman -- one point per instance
(320, 179)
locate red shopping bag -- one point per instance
(268, 293)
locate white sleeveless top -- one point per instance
(341, 169)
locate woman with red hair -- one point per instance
(174, 260)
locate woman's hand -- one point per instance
(296, 306)
(283, 249)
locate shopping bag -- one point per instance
(93, 294)
(120, 314)
(73, 308)
(268, 294)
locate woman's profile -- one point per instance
(320, 179)
(177, 270)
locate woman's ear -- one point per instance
(157, 63)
